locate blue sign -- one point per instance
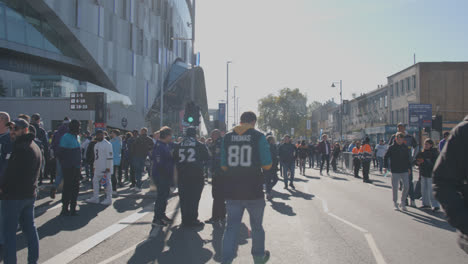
(420, 115)
(222, 112)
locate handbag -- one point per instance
(417, 189)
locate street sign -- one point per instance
(83, 101)
(124, 122)
(222, 112)
(420, 115)
(292, 131)
(308, 124)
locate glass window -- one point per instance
(52, 39)
(2, 22)
(397, 90)
(402, 87)
(414, 82)
(391, 90)
(408, 87)
(33, 28)
(15, 26)
(386, 102)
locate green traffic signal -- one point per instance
(190, 119)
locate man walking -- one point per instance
(356, 159)
(287, 154)
(271, 176)
(18, 192)
(163, 171)
(366, 156)
(311, 149)
(5, 153)
(190, 155)
(69, 154)
(116, 143)
(244, 153)
(380, 150)
(103, 169)
(217, 183)
(325, 150)
(141, 148)
(400, 166)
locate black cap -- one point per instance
(100, 131)
(36, 117)
(21, 123)
(191, 132)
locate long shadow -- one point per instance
(312, 177)
(283, 196)
(300, 180)
(384, 186)
(338, 178)
(127, 204)
(282, 208)
(430, 221)
(299, 194)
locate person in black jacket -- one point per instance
(141, 149)
(426, 160)
(271, 176)
(450, 180)
(287, 155)
(18, 191)
(400, 167)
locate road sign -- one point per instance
(292, 131)
(84, 101)
(420, 115)
(308, 124)
(222, 112)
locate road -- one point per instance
(327, 219)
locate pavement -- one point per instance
(327, 219)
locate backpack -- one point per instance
(62, 130)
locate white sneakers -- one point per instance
(136, 189)
(403, 207)
(107, 201)
(94, 200)
(413, 204)
(395, 206)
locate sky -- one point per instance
(308, 44)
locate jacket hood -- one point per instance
(242, 128)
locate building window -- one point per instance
(386, 102)
(397, 90)
(133, 63)
(402, 87)
(408, 87)
(391, 90)
(414, 82)
(131, 11)
(100, 21)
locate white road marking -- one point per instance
(348, 223)
(82, 247)
(375, 250)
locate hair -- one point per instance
(446, 134)
(324, 135)
(430, 141)
(74, 127)
(270, 139)
(165, 132)
(399, 134)
(35, 117)
(285, 136)
(128, 135)
(5, 116)
(116, 132)
(420, 155)
(303, 142)
(248, 117)
(25, 117)
(144, 129)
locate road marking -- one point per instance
(375, 250)
(348, 223)
(82, 247)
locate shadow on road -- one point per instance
(382, 185)
(299, 194)
(338, 178)
(282, 208)
(312, 177)
(430, 220)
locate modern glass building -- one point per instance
(125, 48)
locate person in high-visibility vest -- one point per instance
(366, 157)
(356, 159)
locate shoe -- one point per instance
(114, 193)
(403, 207)
(425, 207)
(395, 206)
(166, 219)
(413, 204)
(107, 201)
(158, 222)
(292, 186)
(211, 221)
(52, 192)
(436, 209)
(328, 173)
(73, 213)
(262, 259)
(136, 189)
(197, 223)
(64, 212)
(285, 187)
(269, 196)
(94, 200)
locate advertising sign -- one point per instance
(222, 112)
(420, 115)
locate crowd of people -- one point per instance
(243, 165)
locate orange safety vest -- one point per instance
(366, 151)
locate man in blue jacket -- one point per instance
(69, 154)
(163, 171)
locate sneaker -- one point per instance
(74, 213)
(53, 190)
(158, 222)
(211, 221)
(136, 189)
(292, 186)
(114, 192)
(107, 201)
(413, 204)
(425, 207)
(403, 207)
(64, 212)
(395, 206)
(321, 174)
(285, 187)
(269, 196)
(436, 209)
(94, 200)
(262, 259)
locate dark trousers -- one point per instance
(356, 166)
(132, 173)
(311, 160)
(325, 158)
(411, 185)
(271, 178)
(162, 183)
(125, 166)
(217, 191)
(71, 187)
(190, 189)
(365, 169)
(334, 162)
(116, 177)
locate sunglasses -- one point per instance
(16, 128)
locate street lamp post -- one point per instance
(235, 109)
(341, 108)
(227, 94)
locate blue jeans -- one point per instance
(22, 212)
(235, 211)
(139, 164)
(380, 161)
(288, 167)
(58, 174)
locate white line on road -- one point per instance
(348, 223)
(375, 250)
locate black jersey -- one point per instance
(190, 154)
(243, 156)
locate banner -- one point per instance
(222, 112)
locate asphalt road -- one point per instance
(327, 219)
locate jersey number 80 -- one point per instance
(239, 156)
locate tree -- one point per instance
(283, 112)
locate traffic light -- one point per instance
(192, 114)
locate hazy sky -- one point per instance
(307, 44)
